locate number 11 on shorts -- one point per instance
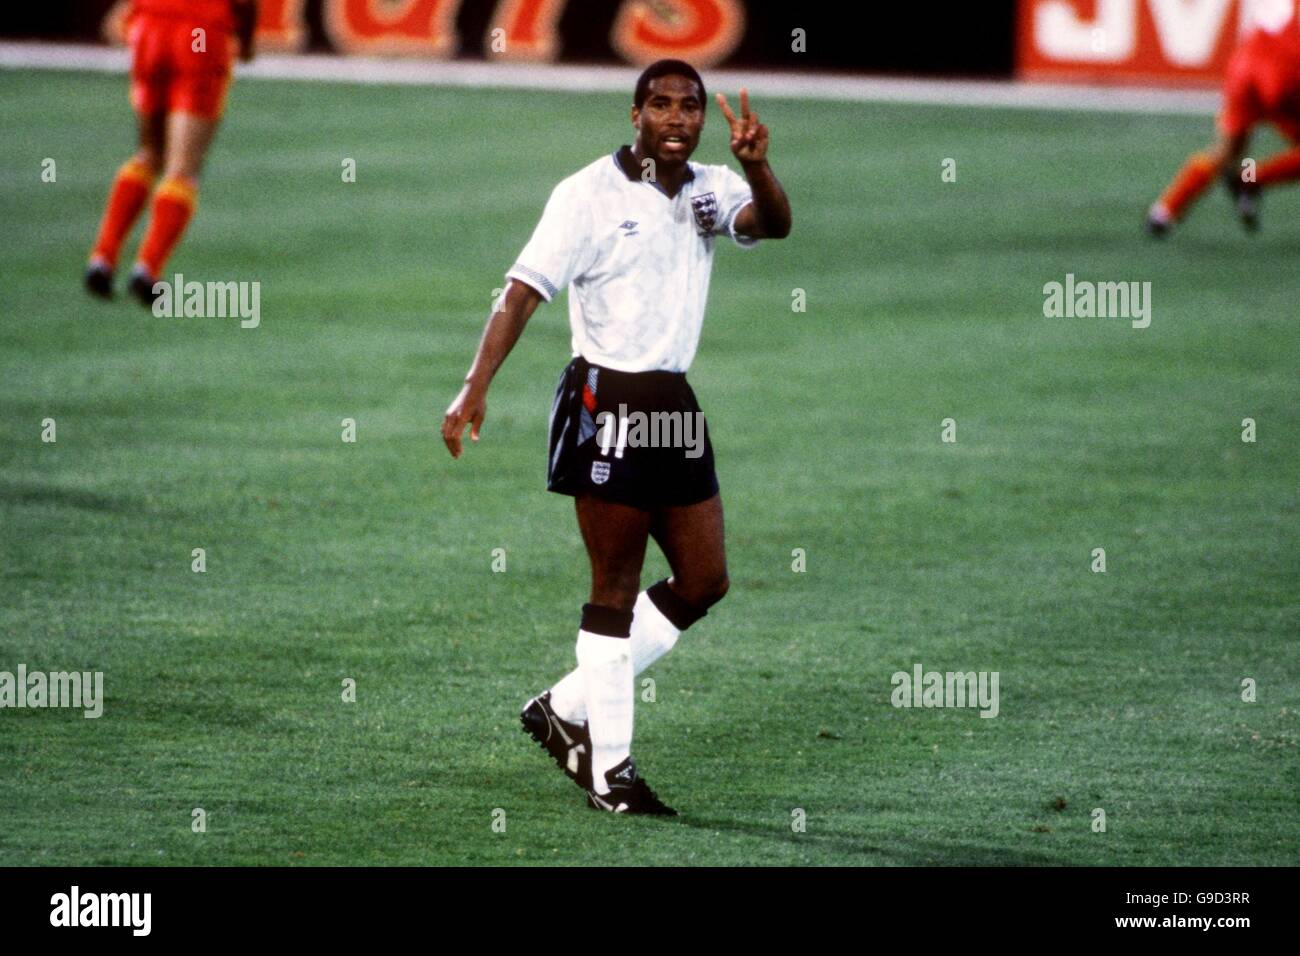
(607, 433)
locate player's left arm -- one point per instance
(245, 27)
(768, 216)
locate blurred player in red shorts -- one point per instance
(181, 57)
(1262, 85)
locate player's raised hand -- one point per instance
(748, 135)
(469, 408)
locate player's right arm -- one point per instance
(557, 253)
(503, 329)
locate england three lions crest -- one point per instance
(706, 212)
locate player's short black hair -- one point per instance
(667, 68)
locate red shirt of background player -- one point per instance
(1262, 81)
(181, 55)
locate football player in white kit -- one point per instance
(632, 236)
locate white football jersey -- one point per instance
(637, 263)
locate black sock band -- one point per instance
(678, 610)
(607, 621)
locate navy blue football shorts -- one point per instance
(638, 438)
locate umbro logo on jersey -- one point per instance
(629, 227)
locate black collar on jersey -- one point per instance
(626, 161)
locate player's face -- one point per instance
(669, 122)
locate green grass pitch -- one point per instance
(373, 560)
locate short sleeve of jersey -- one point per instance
(560, 245)
(734, 195)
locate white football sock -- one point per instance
(569, 697)
(653, 636)
(606, 667)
